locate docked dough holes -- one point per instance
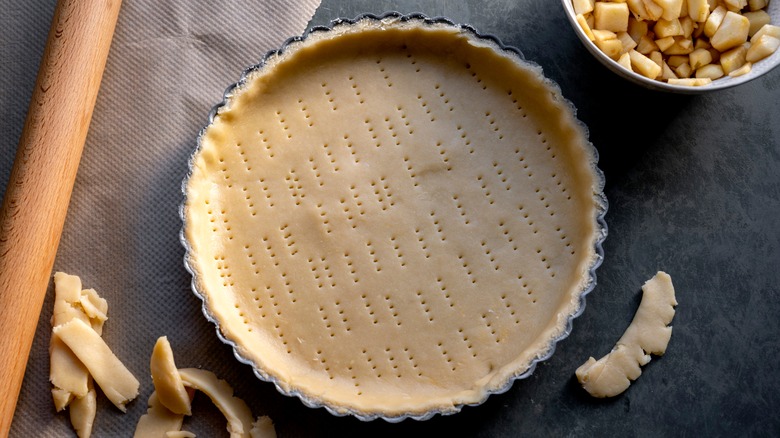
(647, 334)
(78, 355)
(171, 400)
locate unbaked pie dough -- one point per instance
(393, 218)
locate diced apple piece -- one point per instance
(584, 26)
(712, 71)
(715, 55)
(733, 59)
(701, 43)
(683, 71)
(627, 42)
(665, 43)
(646, 45)
(699, 58)
(654, 11)
(611, 48)
(603, 35)
(698, 10)
(757, 4)
(681, 46)
(698, 30)
(697, 82)
(582, 7)
(644, 65)
(714, 5)
(657, 58)
(762, 47)
(671, 8)
(608, 43)
(732, 32)
(611, 16)
(677, 60)
(757, 20)
(666, 72)
(666, 28)
(637, 29)
(714, 21)
(767, 29)
(692, 42)
(625, 61)
(735, 5)
(637, 8)
(745, 69)
(687, 26)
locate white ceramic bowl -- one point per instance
(759, 68)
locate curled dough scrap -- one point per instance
(116, 381)
(647, 334)
(167, 381)
(263, 428)
(174, 390)
(68, 375)
(83, 411)
(157, 421)
(234, 409)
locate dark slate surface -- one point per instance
(694, 189)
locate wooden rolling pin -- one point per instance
(36, 199)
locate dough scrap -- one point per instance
(116, 381)
(647, 334)
(166, 378)
(174, 390)
(68, 375)
(73, 385)
(234, 409)
(67, 292)
(263, 428)
(157, 421)
(179, 434)
(94, 306)
(62, 398)
(83, 411)
(66, 372)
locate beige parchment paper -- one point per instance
(170, 61)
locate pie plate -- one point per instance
(393, 217)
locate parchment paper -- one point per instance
(169, 63)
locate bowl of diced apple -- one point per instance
(680, 46)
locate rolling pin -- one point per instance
(36, 199)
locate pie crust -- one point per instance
(393, 217)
